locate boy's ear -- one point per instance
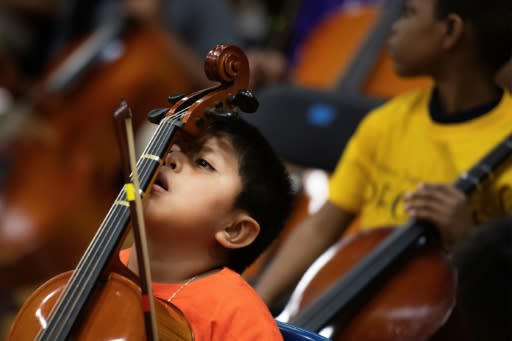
(454, 30)
(242, 232)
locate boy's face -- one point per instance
(194, 193)
(415, 41)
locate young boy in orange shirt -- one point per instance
(215, 206)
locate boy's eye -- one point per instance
(203, 163)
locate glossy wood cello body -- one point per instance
(119, 297)
(100, 299)
(410, 300)
(389, 284)
(62, 154)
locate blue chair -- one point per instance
(293, 333)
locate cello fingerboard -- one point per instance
(106, 241)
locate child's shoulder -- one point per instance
(229, 283)
(234, 296)
(232, 279)
(408, 100)
(396, 109)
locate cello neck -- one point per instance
(353, 80)
(106, 242)
(346, 295)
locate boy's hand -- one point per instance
(444, 206)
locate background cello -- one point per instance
(403, 288)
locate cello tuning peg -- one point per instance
(173, 99)
(245, 100)
(221, 112)
(156, 115)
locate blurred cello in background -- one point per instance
(63, 162)
(350, 42)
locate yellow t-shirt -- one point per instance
(397, 146)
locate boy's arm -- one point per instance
(306, 243)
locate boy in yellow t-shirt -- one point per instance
(404, 156)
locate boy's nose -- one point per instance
(174, 161)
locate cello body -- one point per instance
(394, 284)
(410, 304)
(115, 315)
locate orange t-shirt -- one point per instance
(221, 306)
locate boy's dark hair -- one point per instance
(266, 188)
(491, 21)
(484, 298)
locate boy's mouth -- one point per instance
(161, 183)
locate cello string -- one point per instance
(77, 286)
(156, 140)
(92, 256)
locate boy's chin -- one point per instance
(406, 72)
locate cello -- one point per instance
(360, 60)
(389, 284)
(82, 303)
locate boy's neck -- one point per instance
(463, 91)
(166, 273)
(178, 267)
(439, 115)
